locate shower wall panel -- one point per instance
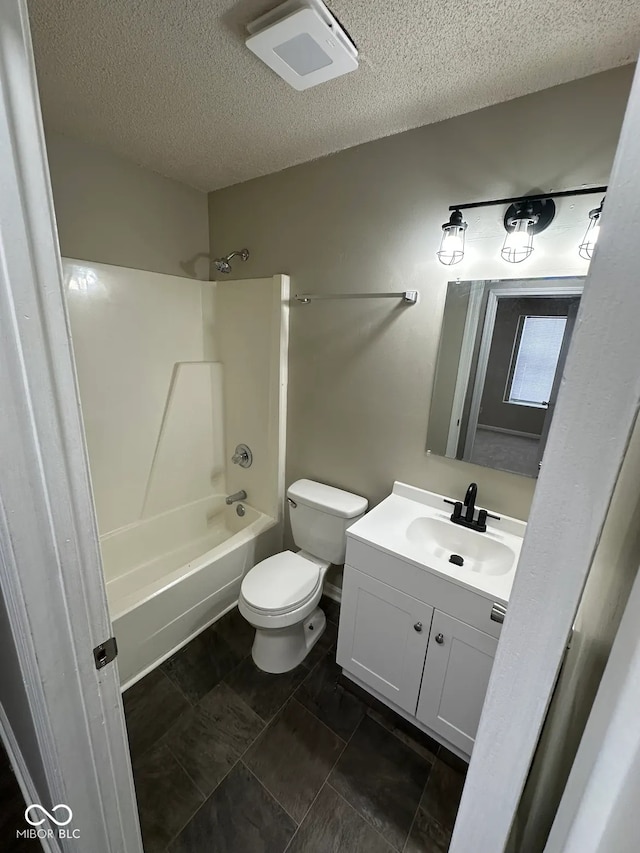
(134, 334)
(251, 330)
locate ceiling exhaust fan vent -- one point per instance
(303, 43)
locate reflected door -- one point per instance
(527, 341)
(562, 358)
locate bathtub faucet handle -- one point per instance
(235, 497)
(242, 456)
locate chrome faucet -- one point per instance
(242, 456)
(236, 496)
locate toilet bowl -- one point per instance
(279, 596)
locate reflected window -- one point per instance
(535, 359)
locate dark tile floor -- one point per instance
(229, 759)
(12, 811)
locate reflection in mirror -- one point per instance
(502, 351)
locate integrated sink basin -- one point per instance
(479, 552)
(416, 526)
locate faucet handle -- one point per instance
(242, 456)
(457, 508)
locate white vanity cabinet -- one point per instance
(417, 642)
(456, 675)
(383, 636)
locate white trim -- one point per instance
(332, 591)
(499, 290)
(51, 575)
(481, 372)
(598, 812)
(506, 431)
(470, 334)
(597, 408)
(282, 318)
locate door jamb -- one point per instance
(51, 579)
(597, 408)
(497, 291)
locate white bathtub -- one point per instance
(171, 576)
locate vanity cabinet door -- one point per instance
(456, 675)
(383, 637)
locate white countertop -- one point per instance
(385, 528)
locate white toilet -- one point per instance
(279, 596)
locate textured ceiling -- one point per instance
(170, 85)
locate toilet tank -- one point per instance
(320, 516)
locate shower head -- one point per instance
(223, 265)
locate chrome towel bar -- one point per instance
(410, 297)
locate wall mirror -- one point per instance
(502, 351)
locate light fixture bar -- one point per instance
(534, 197)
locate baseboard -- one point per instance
(504, 431)
(332, 591)
(23, 777)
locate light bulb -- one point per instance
(452, 243)
(592, 233)
(518, 244)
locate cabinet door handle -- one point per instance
(418, 627)
(439, 639)
(498, 612)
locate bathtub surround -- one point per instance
(369, 219)
(172, 375)
(139, 338)
(112, 211)
(251, 325)
(293, 761)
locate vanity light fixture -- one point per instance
(525, 216)
(521, 221)
(452, 243)
(592, 233)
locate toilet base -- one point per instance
(278, 650)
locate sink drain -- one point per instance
(456, 559)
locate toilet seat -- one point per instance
(281, 584)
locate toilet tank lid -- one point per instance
(327, 498)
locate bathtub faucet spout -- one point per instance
(236, 496)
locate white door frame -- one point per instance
(469, 337)
(496, 291)
(596, 412)
(50, 568)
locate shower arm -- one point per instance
(242, 253)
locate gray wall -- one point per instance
(369, 218)
(112, 211)
(608, 586)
